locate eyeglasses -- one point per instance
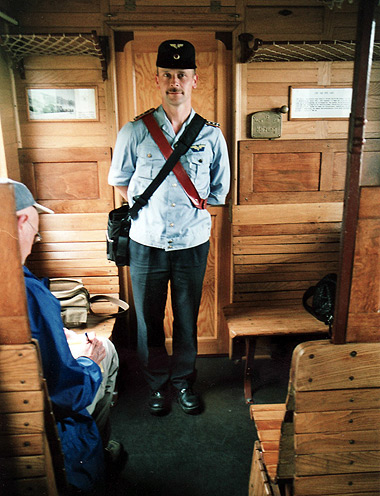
(37, 236)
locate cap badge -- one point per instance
(176, 46)
(176, 56)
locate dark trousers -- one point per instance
(151, 270)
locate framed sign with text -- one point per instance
(324, 102)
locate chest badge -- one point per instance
(198, 148)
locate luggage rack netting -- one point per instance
(23, 45)
(299, 51)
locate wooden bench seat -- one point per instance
(102, 328)
(283, 241)
(325, 441)
(246, 324)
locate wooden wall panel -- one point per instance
(300, 21)
(364, 317)
(280, 250)
(74, 246)
(291, 171)
(14, 324)
(286, 225)
(8, 125)
(69, 180)
(61, 71)
(73, 182)
(268, 88)
(66, 164)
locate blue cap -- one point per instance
(24, 197)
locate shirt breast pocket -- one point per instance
(198, 166)
(149, 162)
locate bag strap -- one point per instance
(121, 304)
(182, 145)
(308, 293)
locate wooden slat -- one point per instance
(252, 249)
(77, 272)
(19, 368)
(257, 408)
(267, 446)
(344, 399)
(33, 486)
(72, 236)
(13, 308)
(251, 229)
(21, 401)
(272, 435)
(321, 442)
(74, 222)
(286, 267)
(369, 200)
(295, 276)
(259, 299)
(268, 424)
(339, 421)
(243, 321)
(21, 445)
(102, 328)
(90, 257)
(21, 423)
(23, 466)
(285, 214)
(316, 366)
(327, 485)
(337, 463)
(49, 264)
(292, 258)
(283, 239)
(274, 286)
(68, 247)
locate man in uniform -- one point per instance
(169, 239)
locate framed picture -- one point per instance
(62, 104)
(323, 102)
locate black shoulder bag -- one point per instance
(322, 299)
(119, 219)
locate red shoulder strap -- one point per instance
(178, 169)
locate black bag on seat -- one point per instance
(323, 299)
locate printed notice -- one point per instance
(320, 103)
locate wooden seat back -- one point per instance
(286, 226)
(336, 392)
(31, 461)
(326, 439)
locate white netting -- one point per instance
(23, 45)
(288, 51)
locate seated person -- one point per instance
(80, 393)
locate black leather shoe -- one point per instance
(158, 403)
(189, 401)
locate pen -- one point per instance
(88, 339)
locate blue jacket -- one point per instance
(72, 385)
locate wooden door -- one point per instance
(137, 92)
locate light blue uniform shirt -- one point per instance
(170, 221)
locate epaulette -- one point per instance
(213, 124)
(144, 113)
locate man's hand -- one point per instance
(86, 344)
(94, 349)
